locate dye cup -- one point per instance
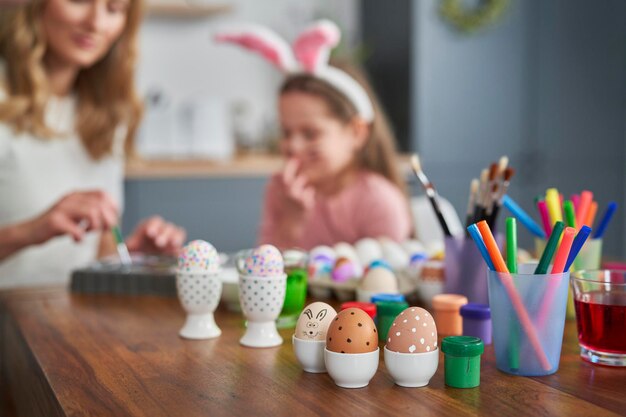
(462, 360)
(465, 269)
(386, 313)
(528, 318)
(369, 308)
(295, 297)
(477, 321)
(600, 299)
(447, 313)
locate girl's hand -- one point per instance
(295, 189)
(155, 235)
(74, 215)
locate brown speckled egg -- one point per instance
(413, 331)
(352, 331)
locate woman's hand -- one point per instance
(74, 215)
(155, 235)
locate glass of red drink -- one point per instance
(600, 301)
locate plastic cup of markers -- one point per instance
(544, 298)
(540, 245)
(462, 360)
(601, 315)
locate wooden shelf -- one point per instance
(250, 165)
(186, 10)
(241, 166)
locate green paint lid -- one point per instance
(462, 346)
(390, 308)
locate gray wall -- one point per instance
(223, 211)
(546, 86)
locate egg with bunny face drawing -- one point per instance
(314, 321)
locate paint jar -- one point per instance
(477, 321)
(462, 360)
(386, 313)
(447, 313)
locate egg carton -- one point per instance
(324, 288)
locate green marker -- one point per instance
(570, 215)
(548, 252)
(511, 263)
(122, 250)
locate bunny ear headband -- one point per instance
(309, 55)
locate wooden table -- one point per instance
(95, 355)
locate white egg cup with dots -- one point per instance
(351, 370)
(199, 293)
(261, 300)
(411, 369)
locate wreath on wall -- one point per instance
(470, 20)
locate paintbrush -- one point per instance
(508, 174)
(430, 192)
(471, 203)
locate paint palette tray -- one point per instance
(147, 274)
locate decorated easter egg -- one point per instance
(199, 256)
(379, 280)
(322, 254)
(344, 270)
(352, 331)
(368, 250)
(394, 253)
(413, 331)
(264, 261)
(314, 321)
(379, 263)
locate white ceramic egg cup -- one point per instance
(261, 300)
(411, 369)
(310, 354)
(351, 370)
(199, 293)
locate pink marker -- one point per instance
(545, 217)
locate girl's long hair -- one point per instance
(105, 92)
(379, 152)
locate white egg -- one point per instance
(394, 254)
(368, 250)
(379, 280)
(346, 250)
(413, 246)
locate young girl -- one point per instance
(340, 181)
(68, 110)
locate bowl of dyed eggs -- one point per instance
(262, 286)
(351, 354)
(199, 288)
(309, 338)
(411, 352)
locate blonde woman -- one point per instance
(68, 113)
